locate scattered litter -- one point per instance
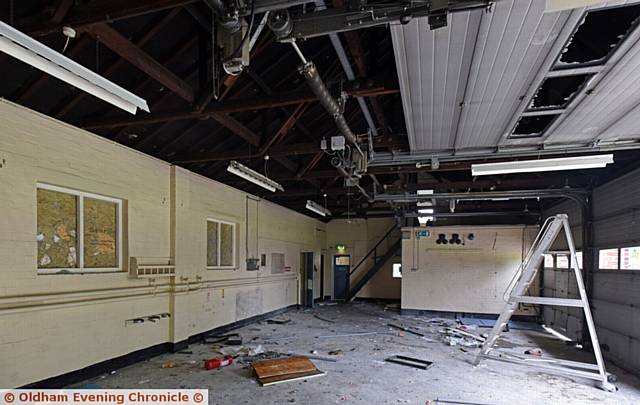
(143, 381)
(347, 335)
(461, 341)
(218, 362)
(533, 352)
(234, 341)
(457, 401)
(223, 339)
(254, 351)
(405, 329)
(279, 321)
(169, 364)
(392, 307)
(275, 371)
(323, 318)
(460, 332)
(410, 362)
(322, 304)
(335, 352)
(185, 352)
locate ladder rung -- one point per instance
(564, 302)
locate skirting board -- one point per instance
(128, 359)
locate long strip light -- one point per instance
(542, 165)
(34, 53)
(253, 176)
(317, 208)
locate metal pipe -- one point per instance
(357, 184)
(577, 195)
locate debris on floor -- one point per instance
(323, 318)
(218, 362)
(405, 329)
(275, 371)
(169, 364)
(533, 352)
(410, 362)
(278, 321)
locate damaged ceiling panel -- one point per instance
(450, 102)
(608, 108)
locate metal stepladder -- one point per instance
(516, 295)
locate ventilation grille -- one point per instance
(146, 267)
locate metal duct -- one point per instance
(309, 71)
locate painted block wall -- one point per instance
(359, 236)
(54, 324)
(469, 278)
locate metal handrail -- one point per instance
(373, 249)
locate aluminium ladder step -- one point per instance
(565, 302)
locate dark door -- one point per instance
(307, 265)
(341, 268)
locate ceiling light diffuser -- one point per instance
(253, 176)
(34, 53)
(542, 165)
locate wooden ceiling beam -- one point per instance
(140, 59)
(96, 12)
(364, 88)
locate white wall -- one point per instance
(54, 324)
(470, 277)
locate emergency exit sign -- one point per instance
(423, 233)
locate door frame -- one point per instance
(333, 274)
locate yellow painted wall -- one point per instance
(463, 278)
(53, 324)
(359, 236)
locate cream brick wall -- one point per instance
(463, 278)
(53, 324)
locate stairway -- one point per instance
(380, 261)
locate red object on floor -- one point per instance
(218, 362)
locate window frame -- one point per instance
(617, 269)
(234, 245)
(81, 195)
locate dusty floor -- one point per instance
(360, 374)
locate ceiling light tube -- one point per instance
(317, 208)
(425, 211)
(253, 176)
(34, 53)
(542, 165)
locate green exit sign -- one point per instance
(423, 233)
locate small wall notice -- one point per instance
(469, 273)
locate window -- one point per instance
(397, 270)
(548, 261)
(77, 232)
(579, 259)
(630, 258)
(221, 244)
(562, 261)
(608, 259)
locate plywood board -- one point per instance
(289, 377)
(282, 366)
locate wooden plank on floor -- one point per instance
(289, 377)
(282, 366)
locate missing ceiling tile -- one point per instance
(599, 35)
(532, 126)
(557, 92)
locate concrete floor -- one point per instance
(361, 376)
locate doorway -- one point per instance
(341, 268)
(306, 260)
(322, 278)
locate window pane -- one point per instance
(226, 245)
(57, 226)
(212, 243)
(100, 233)
(562, 261)
(608, 259)
(397, 270)
(630, 258)
(579, 257)
(548, 260)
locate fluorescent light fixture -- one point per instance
(425, 211)
(424, 220)
(34, 53)
(424, 192)
(424, 204)
(253, 176)
(317, 208)
(542, 165)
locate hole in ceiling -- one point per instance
(599, 34)
(532, 126)
(557, 92)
